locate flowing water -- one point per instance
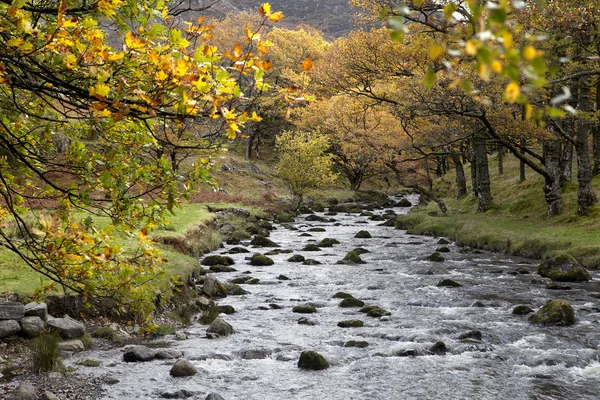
(514, 359)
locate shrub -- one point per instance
(46, 353)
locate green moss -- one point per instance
(312, 360)
(351, 323)
(555, 312)
(89, 363)
(261, 260)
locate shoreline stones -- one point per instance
(217, 260)
(261, 241)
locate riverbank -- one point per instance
(517, 224)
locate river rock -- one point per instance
(363, 235)
(261, 241)
(555, 312)
(255, 354)
(377, 312)
(217, 260)
(328, 242)
(522, 310)
(67, 327)
(351, 323)
(226, 309)
(238, 250)
(178, 394)
(443, 249)
(563, 268)
(448, 283)
(72, 345)
(356, 343)
(471, 335)
(212, 287)
(220, 327)
(139, 353)
(221, 268)
(361, 250)
(296, 258)
(11, 310)
(318, 229)
(438, 348)
(8, 328)
(351, 257)
(282, 277)
(311, 247)
(342, 295)
(261, 260)
(111, 380)
(403, 203)
(49, 396)
(351, 302)
(34, 309)
(306, 321)
(168, 354)
(311, 261)
(25, 391)
(183, 368)
(312, 360)
(436, 257)
(304, 309)
(214, 396)
(443, 241)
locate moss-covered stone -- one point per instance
(342, 295)
(328, 242)
(403, 203)
(253, 281)
(563, 268)
(311, 261)
(226, 309)
(296, 258)
(284, 218)
(351, 258)
(317, 230)
(435, 257)
(261, 260)
(240, 279)
(555, 312)
(522, 310)
(356, 343)
(351, 302)
(361, 250)
(221, 268)
(304, 309)
(283, 278)
(261, 241)
(377, 312)
(443, 249)
(363, 235)
(278, 251)
(305, 210)
(238, 250)
(366, 309)
(311, 247)
(305, 235)
(217, 260)
(448, 283)
(316, 218)
(351, 323)
(312, 360)
(233, 290)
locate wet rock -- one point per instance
(274, 306)
(238, 250)
(212, 287)
(110, 380)
(403, 203)
(183, 368)
(34, 309)
(168, 354)
(471, 335)
(217, 260)
(221, 268)
(351, 323)
(72, 345)
(436, 257)
(67, 327)
(11, 310)
(226, 309)
(563, 268)
(8, 328)
(305, 210)
(439, 348)
(443, 241)
(305, 235)
(181, 336)
(261, 241)
(443, 249)
(306, 321)
(240, 280)
(448, 283)
(554, 286)
(304, 309)
(377, 312)
(312, 360)
(253, 281)
(139, 353)
(407, 353)
(220, 327)
(356, 343)
(351, 257)
(233, 289)
(342, 295)
(283, 278)
(351, 302)
(328, 242)
(311, 261)
(523, 271)
(179, 394)
(25, 391)
(255, 354)
(311, 247)
(284, 218)
(361, 250)
(278, 251)
(49, 396)
(296, 258)
(261, 260)
(214, 396)
(555, 312)
(522, 310)
(317, 230)
(479, 304)
(363, 235)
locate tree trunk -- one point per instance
(474, 191)
(253, 139)
(522, 167)
(461, 180)
(484, 194)
(566, 160)
(585, 193)
(552, 193)
(500, 160)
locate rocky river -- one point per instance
(487, 351)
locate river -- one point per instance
(514, 359)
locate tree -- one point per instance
(86, 112)
(303, 163)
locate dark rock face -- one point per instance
(312, 360)
(439, 348)
(563, 268)
(555, 312)
(139, 353)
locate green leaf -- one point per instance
(429, 79)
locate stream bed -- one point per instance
(513, 360)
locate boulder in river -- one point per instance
(351, 257)
(261, 241)
(361, 250)
(311, 261)
(356, 343)
(555, 312)
(238, 250)
(342, 295)
(443, 249)
(296, 258)
(139, 353)
(220, 327)
(448, 283)
(563, 268)
(363, 235)
(217, 260)
(261, 260)
(304, 309)
(328, 242)
(221, 268)
(438, 348)
(214, 396)
(312, 360)
(522, 310)
(377, 312)
(282, 277)
(351, 323)
(403, 203)
(311, 247)
(471, 335)
(436, 257)
(183, 368)
(317, 229)
(212, 287)
(351, 302)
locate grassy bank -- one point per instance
(518, 223)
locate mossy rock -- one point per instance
(436, 257)
(284, 218)
(555, 312)
(305, 210)
(278, 251)
(233, 290)
(311, 261)
(328, 242)
(342, 295)
(317, 230)
(403, 203)
(253, 281)
(366, 214)
(261, 260)
(283, 278)
(443, 249)
(378, 218)
(311, 247)
(351, 302)
(377, 312)
(305, 235)
(239, 235)
(261, 241)
(217, 260)
(438, 348)
(363, 235)
(238, 250)
(356, 343)
(296, 258)
(89, 363)
(351, 258)
(448, 283)
(316, 218)
(351, 323)
(522, 310)
(563, 268)
(304, 309)
(361, 250)
(226, 309)
(443, 241)
(390, 222)
(313, 361)
(240, 279)
(221, 268)
(265, 225)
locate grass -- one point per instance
(46, 353)
(518, 223)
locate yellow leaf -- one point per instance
(100, 90)
(528, 111)
(496, 66)
(529, 52)
(16, 42)
(233, 129)
(435, 52)
(265, 10)
(507, 40)
(471, 47)
(69, 23)
(484, 71)
(307, 64)
(255, 117)
(116, 56)
(104, 113)
(276, 16)
(161, 76)
(181, 68)
(513, 90)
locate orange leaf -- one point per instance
(307, 64)
(276, 16)
(265, 10)
(237, 49)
